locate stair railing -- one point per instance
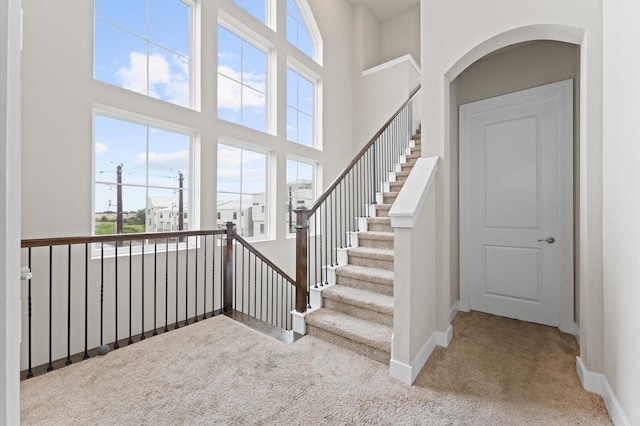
(330, 223)
(87, 295)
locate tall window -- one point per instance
(242, 69)
(299, 189)
(144, 46)
(300, 111)
(141, 177)
(297, 31)
(257, 8)
(242, 190)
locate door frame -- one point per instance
(563, 90)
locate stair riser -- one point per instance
(365, 285)
(374, 243)
(406, 167)
(389, 199)
(358, 311)
(380, 227)
(402, 178)
(382, 212)
(364, 350)
(371, 263)
(396, 186)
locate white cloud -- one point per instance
(168, 79)
(101, 148)
(178, 160)
(229, 95)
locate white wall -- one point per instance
(622, 203)
(455, 34)
(366, 36)
(9, 213)
(383, 90)
(400, 36)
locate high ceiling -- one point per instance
(384, 10)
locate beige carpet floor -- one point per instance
(496, 371)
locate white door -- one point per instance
(516, 205)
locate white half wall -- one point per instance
(414, 318)
(10, 27)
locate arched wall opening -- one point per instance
(440, 80)
(513, 68)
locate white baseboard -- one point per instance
(443, 338)
(408, 373)
(597, 383)
(454, 311)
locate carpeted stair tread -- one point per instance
(359, 330)
(376, 235)
(371, 253)
(362, 298)
(378, 276)
(380, 220)
(382, 210)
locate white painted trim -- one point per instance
(443, 338)
(298, 323)
(614, 408)
(10, 304)
(563, 90)
(404, 211)
(597, 383)
(454, 311)
(408, 373)
(389, 64)
(591, 382)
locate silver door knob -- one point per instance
(549, 240)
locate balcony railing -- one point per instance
(92, 294)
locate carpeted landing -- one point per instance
(496, 371)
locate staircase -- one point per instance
(357, 312)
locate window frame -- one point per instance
(246, 35)
(193, 102)
(269, 232)
(316, 118)
(290, 207)
(149, 123)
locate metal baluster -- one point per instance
(166, 285)
(204, 285)
(50, 366)
(68, 361)
(196, 280)
(30, 312)
(142, 283)
(116, 345)
(86, 301)
(176, 326)
(101, 292)
(186, 282)
(155, 292)
(130, 341)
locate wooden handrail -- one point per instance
(63, 241)
(357, 158)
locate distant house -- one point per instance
(163, 214)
